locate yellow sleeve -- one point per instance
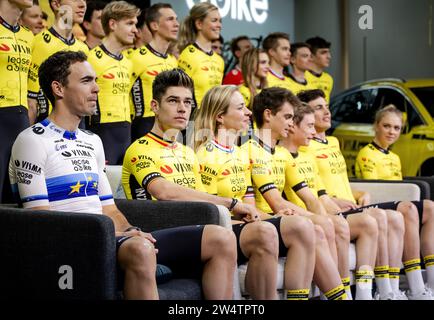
(366, 166)
(293, 178)
(261, 174)
(140, 163)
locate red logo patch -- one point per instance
(323, 156)
(109, 76)
(205, 69)
(152, 73)
(364, 159)
(4, 47)
(133, 160)
(226, 172)
(166, 169)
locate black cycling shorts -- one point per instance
(393, 205)
(237, 229)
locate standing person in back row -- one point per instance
(148, 61)
(321, 56)
(14, 110)
(278, 48)
(112, 120)
(58, 37)
(197, 59)
(239, 46)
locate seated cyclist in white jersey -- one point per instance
(56, 166)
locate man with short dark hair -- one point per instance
(239, 45)
(321, 58)
(91, 25)
(65, 171)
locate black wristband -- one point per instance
(233, 204)
(132, 228)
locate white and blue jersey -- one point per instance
(60, 169)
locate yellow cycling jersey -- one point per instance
(247, 95)
(308, 169)
(113, 76)
(15, 59)
(296, 86)
(276, 80)
(322, 81)
(374, 162)
(45, 44)
(271, 168)
(225, 171)
(205, 68)
(332, 167)
(147, 64)
(153, 157)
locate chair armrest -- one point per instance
(428, 180)
(35, 244)
(155, 215)
(385, 191)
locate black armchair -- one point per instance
(36, 247)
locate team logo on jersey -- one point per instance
(109, 76)
(144, 141)
(66, 154)
(192, 49)
(143, 51)
(17, 163)
(226, 172)
(4, 47)
(133, 160)
(38, 130)
(322, 156)
(166, 169)
(98, 54)
(47, 38)
(209, 147)
(152, 73)
(205, 68)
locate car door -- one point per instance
(352, 117)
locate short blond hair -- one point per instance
(117, 10)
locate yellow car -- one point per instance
(353, 113)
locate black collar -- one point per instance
(294, 155)
(385, 151)
(316, 74)
(325, 141)
(155, 52)
(304, 83)
(264, 145)
(12, 28)
(69, 42)
(210, 53)
(119, 57)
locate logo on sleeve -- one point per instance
(38, 130)
(98, 54)
(4, 47)
(47, 38)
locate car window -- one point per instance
(388, 96)
(356, 106)
(426, 96)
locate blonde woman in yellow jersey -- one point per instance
(376, 161)
(197, 59)
(277, 46)
(225, 171)
(300, 136)
(15, 58)
(332, 167)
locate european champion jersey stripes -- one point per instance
(61, 169)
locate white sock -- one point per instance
(383, 286)
(364, 284)
(394, 278)
(429, 268)
(415, 281)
